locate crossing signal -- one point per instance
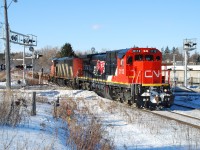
(20, 67)
(29, 66)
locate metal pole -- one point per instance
(185, 79)
(24, 65)
(174, 69)
(32, 65)
(7, 50)
(33, 110)
(188, 45)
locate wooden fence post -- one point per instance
(40, 74)
(33, 111)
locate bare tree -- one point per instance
(194, 57)
(46, 60)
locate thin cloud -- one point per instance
(96, 27)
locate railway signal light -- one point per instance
(25, 40)
(31, 49)
(190, 44)
(29, 66)
(31, 41)
(14, 37)
(20, 67)
(37, 56)
(24, 67)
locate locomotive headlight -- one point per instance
(165, 90)
(148, 91)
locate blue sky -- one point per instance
(105, 24)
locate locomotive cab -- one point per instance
(154, 91)
(140, 68)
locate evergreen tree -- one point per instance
(167, 51)
(173, 50)
(194, 57)
(67, 51)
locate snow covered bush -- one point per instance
(11, 112)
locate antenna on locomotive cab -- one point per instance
(93, 50)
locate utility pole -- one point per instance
(185, 68)
(174, 59)
(188, 45)
(24, 65)
(7, 50)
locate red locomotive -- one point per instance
(131, 75)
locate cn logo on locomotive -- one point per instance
(147, 73)
(151, 73)
(99, 69)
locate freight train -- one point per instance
(132, 76)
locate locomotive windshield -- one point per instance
(146, 57)
(138, 57)
(157, 58)
(149, 57)
(130, 60)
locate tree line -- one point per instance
(179, 53)
(67, 51)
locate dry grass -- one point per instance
(11, 109)
(89, 136)
(85, 131)
(13, 112)
(150, 124)
(32, 81)
(2, 76)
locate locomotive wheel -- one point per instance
(87, 86)
(121, 100)
(168, 105)
(138, 105)
(130, 102)
(139, 102)
(74, 84)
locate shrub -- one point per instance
(85, 131)
(11, 112)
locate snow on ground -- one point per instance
(35, 132)
(129, 128)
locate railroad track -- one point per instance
(176, 116)
(186, 109)
(48, 86)
(179, 117)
